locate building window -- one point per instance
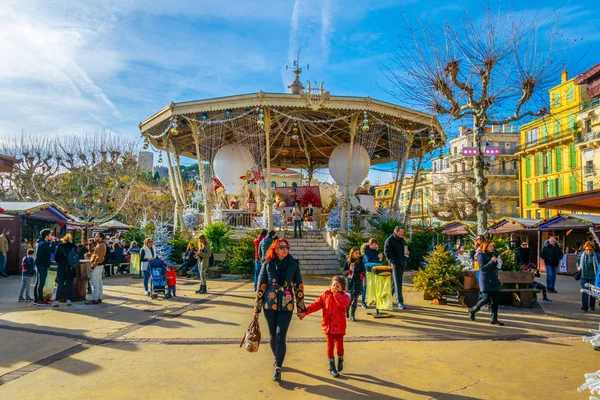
(557, 128)
(571, 123)
(570, 94)
(538, 214)
(587, 126)
(589, 185)
(529, 214)
(532, 135)
(402, 196)
(379, 193)
(387, 192)
(284, 184)
(294, 184)
(273, 184)
(588, 157)
(556, 100)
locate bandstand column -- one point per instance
(178, 217)
(348, 170)
(269, 202)
(195, 135)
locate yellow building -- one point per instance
(550, 161)
(383, 195)
(421, 203)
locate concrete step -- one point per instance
(301, 249)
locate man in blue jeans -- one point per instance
(551, 254)
(46, 245)
(4, 248)
(257, 261)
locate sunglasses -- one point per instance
(284, 247)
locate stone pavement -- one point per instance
(133, 347)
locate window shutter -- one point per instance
(540, 160)
(571, 124)
(545, 131)
(549, 161)
(572, 156)
(558, 157)
(542, 194)
(560, 186)
(527, 167)
(570, 93)
(573, 184)
(528, 194)
(556, 128)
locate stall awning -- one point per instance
(588, 202)
(43, 211)
(570, 221)
(509, 225)
(114, 224)
(458, 227)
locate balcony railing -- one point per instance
(497, 171)
(587, 137)
(546, 139)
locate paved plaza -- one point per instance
(132, 347)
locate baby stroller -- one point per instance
(158, 278)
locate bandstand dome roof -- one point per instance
(304, 128)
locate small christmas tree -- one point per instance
(277, 219)
(440, 275)
(334, 220)
(592, 383)
(162, 241)
(191, 218)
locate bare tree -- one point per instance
(486, 69)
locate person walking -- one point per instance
(27, 272)
(298, 217)
(147, 254)
(552, 255)
(65, 273)
(396, 252)
(97, 260)
(264, 246)
(257, 263)
(279, 285)
(588, 262)
(4, 248)
(46, 245)
(489, 284)
(354, 272)
(333, 303)
(204, 252)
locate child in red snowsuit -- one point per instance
(334, 303)
(171, 280)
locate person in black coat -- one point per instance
(354, 271)
(190, 259)
(279, 287)
(64, 273)
(523, 255)
(551, 254)
(116, 258)
(489, 284)
(396, 252)
(46, 245)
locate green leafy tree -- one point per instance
(219, 235)
(440, 276)
(242, 256)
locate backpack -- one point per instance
(73, 259)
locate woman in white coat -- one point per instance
(147, 254)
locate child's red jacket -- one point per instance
(334, 311)
(171, 278)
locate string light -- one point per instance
(261, 121)
(316, 121)
(160, 159)
(365, 126)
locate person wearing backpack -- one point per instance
(67, 261)
(27, 273)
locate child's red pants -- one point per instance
(338, 341)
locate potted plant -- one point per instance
(241, 258)
(440, 276)
(220, 237)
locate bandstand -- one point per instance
(244, 136)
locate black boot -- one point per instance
(472, 312)
(277, 374)
(340, 363)
(203, 289)
(332, 369)
(352, 318)
(200, 291)
(494, 320)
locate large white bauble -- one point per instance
(231, 162)
(338, 166)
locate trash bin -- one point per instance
(383, 287)
(134, 265)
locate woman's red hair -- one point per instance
(271, 252)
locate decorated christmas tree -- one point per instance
(335, 218)
(162, 240)
(277, 219)
(191, 218)
(440, 275)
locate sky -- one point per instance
(81, 67)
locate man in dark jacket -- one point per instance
(522, 255)
(552, 255)
(46, 245)
(264, 246)
(396, 252)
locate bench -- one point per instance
(522, 282)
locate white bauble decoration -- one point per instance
(338, 166)
(231, 162)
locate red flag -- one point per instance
(217, 183)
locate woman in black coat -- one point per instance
(64, 273)
(354, 271)
(489, 284)
(279, 287)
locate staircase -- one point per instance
(314, 254)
